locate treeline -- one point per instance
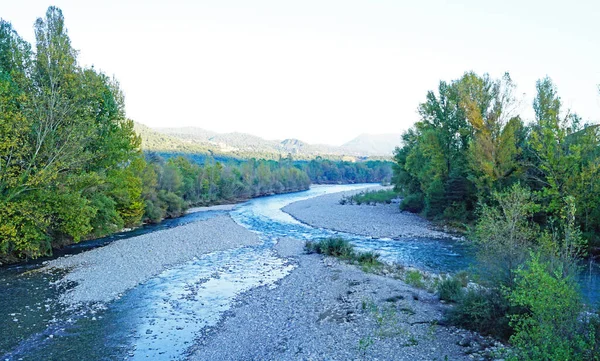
(319, 170)
(530, 192)
(324, 171)
(171, 186)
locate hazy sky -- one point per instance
(322, 71)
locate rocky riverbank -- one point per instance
(102, 274)
(380, 221)
(329, 310)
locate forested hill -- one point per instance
(242, 145)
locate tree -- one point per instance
(494, 151)
(67, 149)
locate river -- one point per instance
(159, 320)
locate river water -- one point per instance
(160, 319)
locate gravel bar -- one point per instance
(102, 274)
(380, 221)
(329, 310)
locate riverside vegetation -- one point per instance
(71, 167)
(527, 193)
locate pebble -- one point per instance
(379, 221)
(104, 274)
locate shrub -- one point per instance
(504, 234)
(337, 247)
(414, 278)
(368, 259)
(372, 197)
(450, 289)
(483, 311)
(413, 203)
(552, 328)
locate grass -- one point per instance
(414, 278)
(336, 247)
(371, 197)
(341, 248)
(370, 262)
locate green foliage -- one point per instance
(551, 328)
(414, 278)
(469, 144)
(450, 289)
(483, 311)
(65, 143)
(504, 233)
(336, 247)
(369, 261)
(413, 203)
(435, 202)
(341, 248)
(171, 186)
(325, 171)
(371, 197)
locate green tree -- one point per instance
(552, 328)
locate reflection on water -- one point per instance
(159, 320)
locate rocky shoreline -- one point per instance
(326, 309)
(380, 221)
(102, 274)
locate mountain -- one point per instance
(374, 144)
(242, 145)
(153, 140)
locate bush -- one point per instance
(552, 328)
(413, 203)
(450, 289)
(368, 259)
(504, 234)
(483, 311)
(373, 197)
(414, 278)
(336, 247)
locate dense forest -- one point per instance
(528, 194)
(71, 165)
(320, 170)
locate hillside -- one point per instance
(245, 145)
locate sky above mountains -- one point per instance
(322, 71)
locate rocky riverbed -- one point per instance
(329, 310)
(102, 274)
(380, 221)
(326, 309)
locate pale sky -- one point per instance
(322, 71)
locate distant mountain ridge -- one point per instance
(191, 139)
